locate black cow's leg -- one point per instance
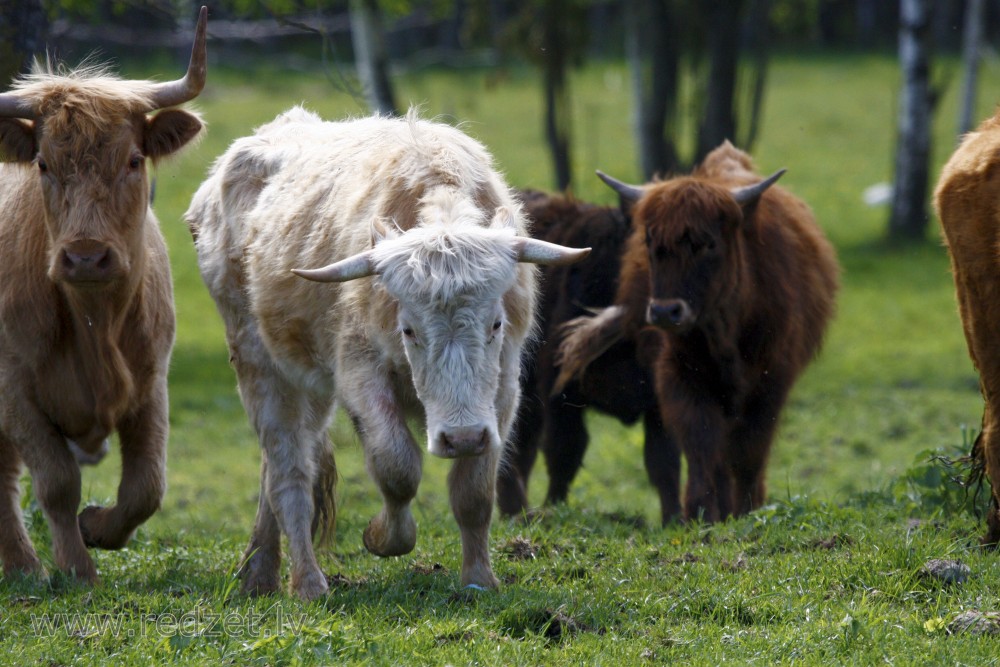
(663, 464)
(564, 444)
(519, 458)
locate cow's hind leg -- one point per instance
(519, 458)
(471, 486)
(143, 437)
(15, 546)
(285, 422)
(564, 445)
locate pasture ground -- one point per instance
(830, 572)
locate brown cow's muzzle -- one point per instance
(87, 262)
(670, 314)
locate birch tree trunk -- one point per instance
(971, 38)
(370, 56)
(908, 219)
(653, 62)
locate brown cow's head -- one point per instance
(692, 232)
(88, 135)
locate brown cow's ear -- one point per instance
(168, 131)
(17, 140)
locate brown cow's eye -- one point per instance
(135, 162)
(42, 167)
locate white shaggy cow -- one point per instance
(86, 308)
(431, 302)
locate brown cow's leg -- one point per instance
(663, 465)
(143, 438)
(471, 487)
(699, 429)
(15, 546)
(55, 479)
(750, 446)
(990, 452)
(56, 483)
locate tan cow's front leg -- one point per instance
(143, 437)
(16, 550)
(471, 488)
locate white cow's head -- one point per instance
(449, 280)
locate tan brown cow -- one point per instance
(85, 300)
(969, 209)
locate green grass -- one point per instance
(828, 573)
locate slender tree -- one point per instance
(908, 218)
(371, 57)
(971, 38)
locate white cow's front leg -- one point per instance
(471, 487)
(393, 458)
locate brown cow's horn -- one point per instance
(630, 193)
(753, 192)
(171, 93)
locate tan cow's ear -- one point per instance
(168, 131)
(17, 140)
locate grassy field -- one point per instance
(829, 573)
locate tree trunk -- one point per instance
(751, 96)
(557, 101)
(654, 62)
(370, 56)
(909, 203)
(971, 37)
(718, 122)
(23, 26)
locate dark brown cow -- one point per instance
(742, 280)
(967, 205)
(617, 383)
(85, 300)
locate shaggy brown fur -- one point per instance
(618, 382)
(86, 306)
(967, 205)
(744, 294)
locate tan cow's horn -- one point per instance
(355, 266)
(753, 192)
(630, 193)
(12, 106)
(535, 251)
(171, 93)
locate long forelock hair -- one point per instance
(688, 205)
(87, 97)
(439, 262)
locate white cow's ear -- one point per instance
(504, 218)
(383, 229)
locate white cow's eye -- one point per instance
(408, 332)
(496, 325)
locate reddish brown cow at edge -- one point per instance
(967, 205)
(86, 307)
(739, 276)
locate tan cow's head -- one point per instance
(89, 137)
